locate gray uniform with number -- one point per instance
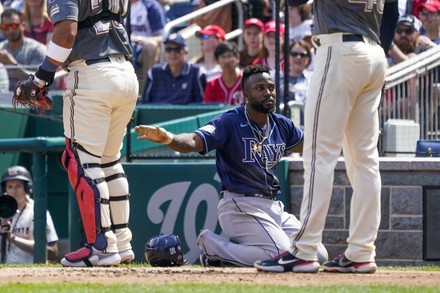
(341, 115)
(99, 101)
(92, 42)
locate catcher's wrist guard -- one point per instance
(44, 75)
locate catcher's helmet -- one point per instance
(164, 250)
(17, 172)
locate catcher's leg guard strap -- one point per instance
(88, 195)
(119, 202)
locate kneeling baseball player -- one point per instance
(249, 141)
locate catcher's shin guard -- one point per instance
(87, 194)
(119, 202)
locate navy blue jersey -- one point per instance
(240, 167)
(164, 88)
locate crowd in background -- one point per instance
(179, 79)
(212, 77)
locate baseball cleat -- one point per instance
(89, 257)
(342, 264)
(206, 262)
(287, 262)
(127, 256)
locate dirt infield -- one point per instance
(189, 274)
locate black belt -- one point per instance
(260, 195)
(95, 61)
(352, 38)
(100, 60)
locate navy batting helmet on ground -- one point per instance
(17, 172)
(164, 250)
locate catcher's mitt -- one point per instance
(29, 95)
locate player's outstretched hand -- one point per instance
(154, 133)
(28, 94)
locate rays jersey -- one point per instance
(242, 167)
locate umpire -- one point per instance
(90, 42)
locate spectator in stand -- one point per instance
(147, 19)
(429, 14)
(415, 6)
(270, 45)
(227, 88)
(38, 24)
(253, 42)
(260, 9)
(300, 21)
(407, 40)
(300, 57)
(221, 17)
(210, 36)
(177, 81)
(18, 53)
(4, 79)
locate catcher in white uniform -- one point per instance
(90, 42)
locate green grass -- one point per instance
(19, 287)
(197, 288)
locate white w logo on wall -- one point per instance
(174, 209)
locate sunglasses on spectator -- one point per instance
(407, 31)
(173, 49)
(300, 54)
(7, 26)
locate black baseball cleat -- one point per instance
(287, 262)
(342, 264)
(206, 262)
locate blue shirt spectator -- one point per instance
(177, 81)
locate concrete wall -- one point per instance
(409, 232)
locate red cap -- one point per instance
(270, 26)
(254, 21)
(430, 5)
(212, 30)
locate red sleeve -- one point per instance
(257, 61)
(211, 93)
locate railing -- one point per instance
(190, 16)
(412, 95)
(39, 147)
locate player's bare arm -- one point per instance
(184, 142)
(64, 35)
(298, 148)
